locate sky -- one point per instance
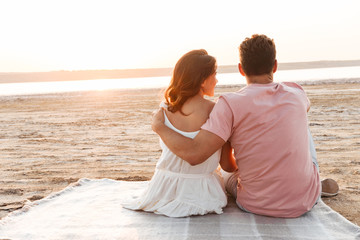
(53, 35)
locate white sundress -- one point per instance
(178, 189)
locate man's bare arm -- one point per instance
(194, 151)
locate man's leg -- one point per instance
(231, 183)
(312, 150)
(329, 187)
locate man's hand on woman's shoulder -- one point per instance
(157, 119)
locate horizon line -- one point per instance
(282, 66)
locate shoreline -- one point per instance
(338, 81)
(75, 75)
(49, 142)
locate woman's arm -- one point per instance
(227, 159)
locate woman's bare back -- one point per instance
(197, 110)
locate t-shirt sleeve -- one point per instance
(220, 121)
(306, 99)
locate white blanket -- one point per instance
(91, 209)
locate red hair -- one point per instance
(189, 73)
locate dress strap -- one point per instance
(163, 105)
(169, 124)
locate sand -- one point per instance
(50, 141)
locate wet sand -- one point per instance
(50, 141)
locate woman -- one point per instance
(178, 189)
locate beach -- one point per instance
(50, 141)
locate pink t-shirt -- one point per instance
(267, 127)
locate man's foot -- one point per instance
(329, 188)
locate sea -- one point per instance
(301, 76)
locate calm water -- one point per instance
(320, 74)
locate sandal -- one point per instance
(329, 188)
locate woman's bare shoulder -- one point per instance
(209, 105)
(196, 112)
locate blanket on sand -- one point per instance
(91, 209)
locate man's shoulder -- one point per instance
(228, 95)
(234, 95)
(292, 85)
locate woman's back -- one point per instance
(195, 113)
(178, 189)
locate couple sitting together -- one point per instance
(259, 135)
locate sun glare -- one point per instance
(73, 35)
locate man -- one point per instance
(266, 124)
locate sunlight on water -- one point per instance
(8, 89)
(315, 74)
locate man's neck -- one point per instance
(259, 79)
